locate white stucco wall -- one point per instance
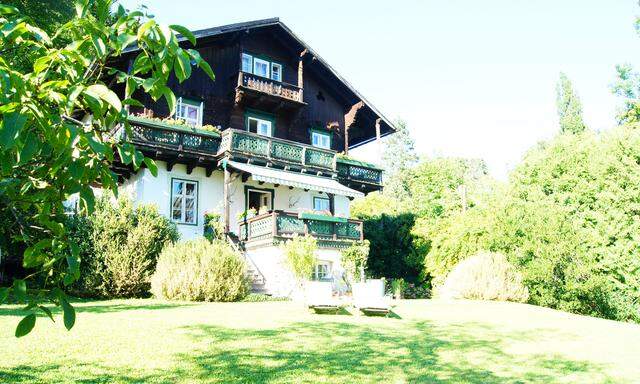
(279, 281)
(144, 188)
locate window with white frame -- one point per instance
(322, 271)
(189, 110)
(261, 67)
(260, 126)
(184, 201)
(321, 139)
(276, 72)
(247, 63)
(321, 204)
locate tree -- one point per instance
(56, 130)
(569, 106)
(398, 157)
(627, 86)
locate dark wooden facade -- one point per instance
(328, 103)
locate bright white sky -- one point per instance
(471, 78)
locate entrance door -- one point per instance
(259, 200)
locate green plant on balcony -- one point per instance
(176, 122)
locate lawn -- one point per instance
(281, 342)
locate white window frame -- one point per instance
(261, 192)
(279, 66)
(323, 268)
(323, 199)
(258, 122)
(257, 61)
(248, 56)
(320, 137)
(183, 205)
(191, 103)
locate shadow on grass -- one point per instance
(343, 352)
(97, 307)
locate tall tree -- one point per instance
(398, 157)
(569, 106)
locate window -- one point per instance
(321, 204)
(189, 110)
(276, 72)
(184, 201)
(260, 200)
(322, 271)
(247, 63)
(260, 126)
(260, 67)
(321, 139)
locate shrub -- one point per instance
(200, 270)
(485, 276)
(300, 253)
(119, 247)
(261, 297)
(354, 260)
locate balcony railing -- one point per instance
(272, 149)
(271, 87)
(358, 173)
(279, 224)
(161, 135)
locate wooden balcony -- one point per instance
(353, 173)
(278, 225)
(273, 151)
(267, 94)
(158, 135)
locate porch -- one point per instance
(273, 227)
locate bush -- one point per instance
(354, 260)
(119, 247)
(200, 270)
(300, 253)
(261, 297)
(485, 276)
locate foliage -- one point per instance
(56, 123)
(354, 260)
(200, 270)
(300, 253)
(567, 222)
(213, 226)
(119, 247)
(398, 287)
(374, 204)
(485, 276)
(261, 298)
(178, 122)
(569, 106)
(398, 157)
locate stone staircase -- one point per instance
(253, 273)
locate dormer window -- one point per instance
(190, 111)
(262, 67)
(321, 139)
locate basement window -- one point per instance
(184, 201)
(322, 271)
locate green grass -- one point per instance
(281, 342)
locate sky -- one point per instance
(471, 78)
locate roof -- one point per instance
(215, 31)
(297, 180)
(360, 163)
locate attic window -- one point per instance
(263, 67)
(320, 96)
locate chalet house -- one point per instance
(274, 164)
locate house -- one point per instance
(261, 147)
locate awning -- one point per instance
(297, 180)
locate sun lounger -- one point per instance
(319, 297)
(370, 299)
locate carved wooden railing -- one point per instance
(287, 224)
(277, 150)
(176, 138)
(271, 87)
(358, 173)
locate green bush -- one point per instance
(300, 253)
(485, 276)
(119, 247)
(261, 297)
(200, 270)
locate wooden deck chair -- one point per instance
(319, 297)
(370, 299)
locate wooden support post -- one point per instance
(301, 74)
(346, 140)
(225, 193)
(378, 138)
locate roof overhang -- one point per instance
(296, 180)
